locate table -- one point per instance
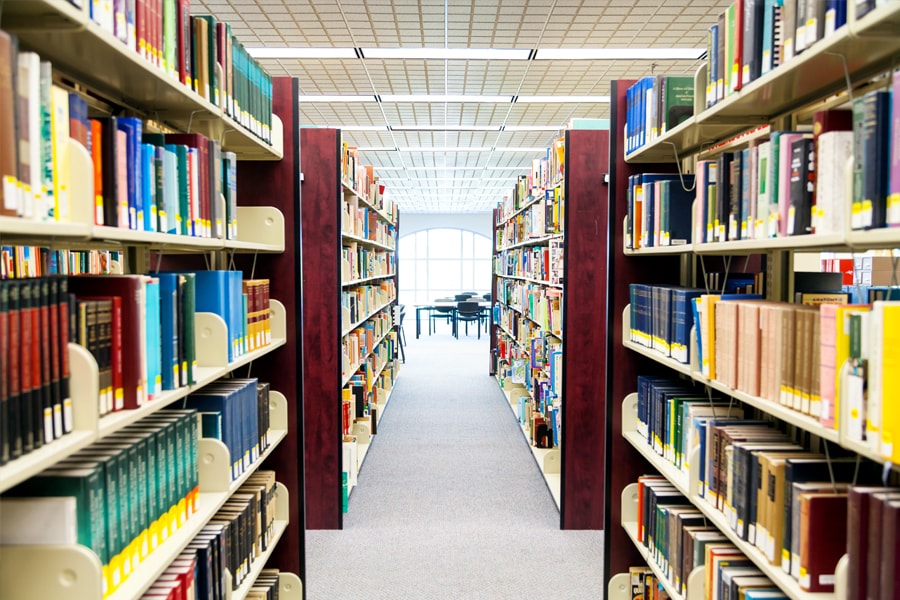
(429, 307)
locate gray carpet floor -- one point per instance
(450, 502)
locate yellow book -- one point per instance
(890, 383)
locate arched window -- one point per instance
(439, 263)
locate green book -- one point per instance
(126, 497)
(167, 457)
(85, 482)
(108, 460)
(141, 501)
(188, 310)
(677, 101)
(182, 219)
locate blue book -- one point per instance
(159, 195)
(147, 207)
(676, 217)
(746, 228)
(235, 311)
(212, 296)
(695, 313)
(154, 376)
(682, 319)
(133, 128)
(170, 221)
(213, 400)
(168, 316)
(713, 66)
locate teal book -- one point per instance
(84, 482)
(677, 101)
(154, 350)
(171, 214)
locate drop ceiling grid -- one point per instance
(470, 23)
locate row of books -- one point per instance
(21, 262)
(359, 262)
(121, 497)
(658, 210)
(656, 104)
(361, 221)
(539, 303)
(365, 391)
(238, 533)
(360, 302)
(538, 262)
(516, 326)
(197, 50)
(362, 180)
(236, 412)
(360, 342)
(543, 217)
(753, 37)
(774, 494)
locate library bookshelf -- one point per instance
(350, 277)
(571, 469)
(818, 79)
(76, 46)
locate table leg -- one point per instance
(418, 321)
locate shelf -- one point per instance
(68, 38)
(371, 314)
(365, 242)
(805, 422)
(530, 280)
(868, 45)
(517, 212)
(539, 241)
(518, 310)
(548, 459)
(795, 242)
(348, 191)
(367, 279)
(346, 379)
(676, 249)
(282, 517)
(689, 486)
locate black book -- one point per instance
(801, 187)
(876, 132)
(723, 196)
(110, 156)
(43, 368)
(753, 36)
(734, 197)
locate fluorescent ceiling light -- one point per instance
(448, 53)
(533, 128)
(560, 99)
(376, 149)
(295, 52)
(520, 149)
(336, 98)
(460, 179)
(445, 128)
(445, 149)
(525, 168)
(618, 53)
(443, 168)
(440, 98)
(358, 127)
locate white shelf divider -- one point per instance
(619, 587)
(260, 228)
(84, 393)
(290, 587)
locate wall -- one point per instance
(475, 222)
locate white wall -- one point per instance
(476, 222)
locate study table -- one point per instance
(443, 304)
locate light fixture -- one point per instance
(561, 99)
(336, 98)
(376, 149)
(358, 127)
(447, 53)
(618, 53)
(533, 128)
(445, 149)
(520, 149)
(441, 98)
(445, 128)
(296, 52)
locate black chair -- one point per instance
(462, 297)
(469, 312)
(399, 313)
(487, 297)
(442, 313)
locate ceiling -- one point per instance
(466, 153)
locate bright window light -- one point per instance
(441, 98)
(447, 53)
(336, 99)
(560, 99)
(295, 52)
(619, 53)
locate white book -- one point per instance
(30, 78)
(834, 149)
(38, 521)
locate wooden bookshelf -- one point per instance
(572, 468)
(324, 195)
(75, 45)
(766, 104)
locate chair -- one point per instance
(468, 312)
(399, 312)
(462, 297)
(442, 313)
(487, 297)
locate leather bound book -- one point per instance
(857, 539)
(890, 550)
(821, 545)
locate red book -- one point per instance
(65, 336)
(118, 389)
(15, 341)
(821, 544)
(56, 349)
(97, 158)
(26, 400)
(141, 27)
(890, 550)
(184, 33)
(42, 358)
(130, 288)
(4, 371)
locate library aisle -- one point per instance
(450, 502)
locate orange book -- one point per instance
(97, 157)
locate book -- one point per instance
(820, 546)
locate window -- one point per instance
(440, 263)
